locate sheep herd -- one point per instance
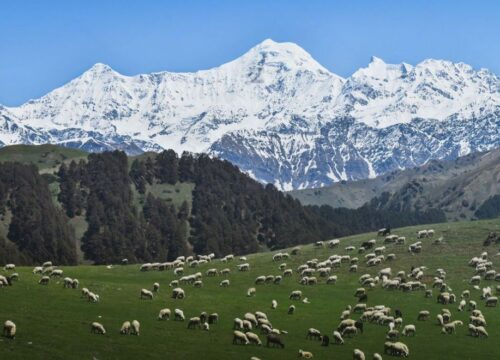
(255, 328)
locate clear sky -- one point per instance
(44, 44)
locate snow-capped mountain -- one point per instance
(276, 113)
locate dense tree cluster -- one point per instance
(489, 209)
(37, 229)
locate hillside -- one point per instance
(45, 157)
(276, 113)
(459, 187)
(107, 206)
(54, 322)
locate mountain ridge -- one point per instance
(277, 89)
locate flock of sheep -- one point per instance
(248, 329)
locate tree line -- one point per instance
(229, 212)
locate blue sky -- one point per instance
(44, 44)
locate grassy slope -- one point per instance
(45, 157)
(54, 322)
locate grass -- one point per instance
(46, 157)
(173, 194)
(54, 322)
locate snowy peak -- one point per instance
(286, 56)
(275, 112)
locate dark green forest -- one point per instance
(229, 212)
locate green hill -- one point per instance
(43, 156)
(53, 322)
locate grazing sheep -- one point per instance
(239, 337)
(251, 317)
(305, 354)
(396, 349)
(274, 340)
(97, 328)
(331, 279)
(237, 323)
(247, 325)
(349, 331)
(44, 280)
(205, 326)
(451, 327)
(37, 270)
(291, 309)
(75, 284)
(91, 297)
(358, 355)
(178, 293)
(472, 305)
(337, 338)
(125, 329)
(492, 301)
(325, 340)
(213, 318)
(377, 356)
(409, 330)
(295, 295)
(477, 320)
(179, 315)
(164, 314)
(67, 282)
(253, 338)
(313, 334)
(481, 331)
(224, 283)
(423, 315)
(274, 304)
(9, 329)
(392, 335)
(57, 272)
(194, 322)
(9, 267)
(146, 294)
(156, 287)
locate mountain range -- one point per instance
(276, 113)
(465, 188)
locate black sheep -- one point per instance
(325, 340)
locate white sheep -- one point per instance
(337, 338)
(146, 294)
(9, 329)
(274, 304)
(44, 280)
(9, 267)
(251, 292)
(358, 355)
(409, 330)
(97, 328)
(253, 338)
(377, 356)
(239, 337)
(492, 301)
(125, 329)
(178, 293)
(224, 283)
(305, 354)
(179, 315)
(164, 314)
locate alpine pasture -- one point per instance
(54, 321)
